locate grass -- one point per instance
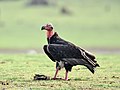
(18, 72)
(93, 23)
(90, 24)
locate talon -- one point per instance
(66, 79)
(54, 78)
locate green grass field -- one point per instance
(90, 24)
(18, 71)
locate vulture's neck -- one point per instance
(50, 34)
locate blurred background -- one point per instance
(91, 24)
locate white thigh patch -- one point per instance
(61, 64)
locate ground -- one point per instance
(17, 72)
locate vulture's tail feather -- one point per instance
(91, 68)
(97, 65)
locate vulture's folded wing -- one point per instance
(70, 54)
(88, 54)
(59, 51)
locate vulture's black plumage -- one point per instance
(66, 54)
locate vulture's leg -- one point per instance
(57, 69)
(66, 75)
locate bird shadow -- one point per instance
(40, 77)
(81, 79)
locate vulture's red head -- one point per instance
(49, 28)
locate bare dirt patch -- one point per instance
(39, 50)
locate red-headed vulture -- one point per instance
(65, 54)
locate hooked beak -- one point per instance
(43, 27)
